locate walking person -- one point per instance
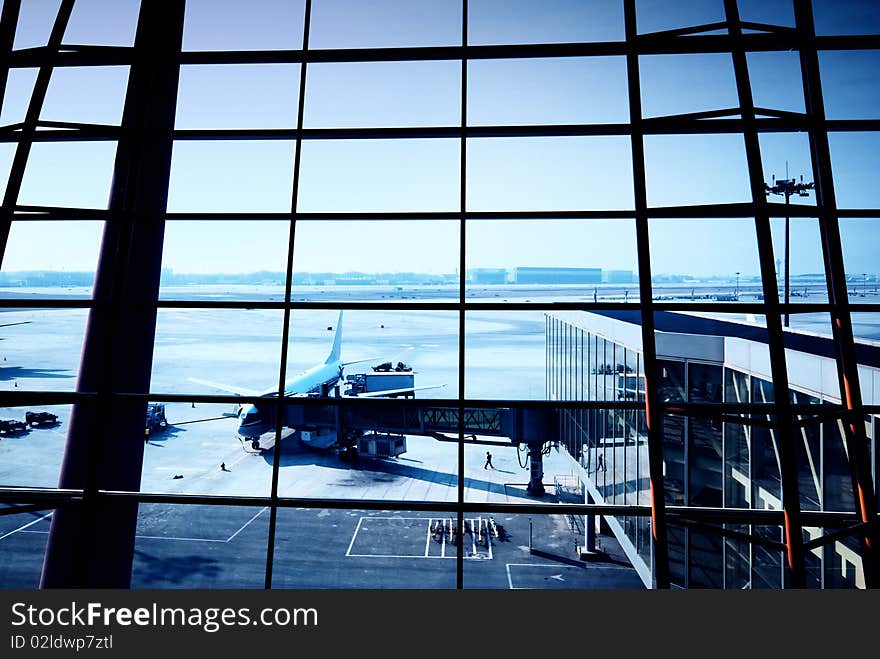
(488, 461)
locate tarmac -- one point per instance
(226, 546)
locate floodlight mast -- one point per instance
(788, 187)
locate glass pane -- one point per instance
(102, 23)
(376, 260)
(379, 175)
(786, 157)
(370, 451)
(808, 449)
(553, 563)
(92, 95)
(200, 547)
(551, 21)
(35, 21)
(837, 471)
(505, 355)
(41, 348)
(806, 267)
(19, 88)
(705, 556)
(57, 259)
(776, 81)
(551, 260)
(562, 90)
(856, 165)
(238, 96)
(858, 237)
(771, 12)
(846, 17)
(696, 169)
(229, 25)
(549, 173)
(231, 176)
(33, 444)
(842, 561)
(737, 480)
(426, 342)
(810, 357)
(71, 174)
(383, 94)
(7, 154)
(657, 15)
(22, 547)
(850, 83)
(705, 452)
(364, 549)
(719, 270)
(197, 349)
(385, 23)
(204, 260)
(866, 326)
(194, 448)
(680, 84)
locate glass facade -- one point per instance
(707, 463)
(198, 196)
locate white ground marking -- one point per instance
(354, 536)
(24, 526)
(245, 525)
(155, 537)
(358, 527)
(557, 577)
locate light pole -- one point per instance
(787, 187)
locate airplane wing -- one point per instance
(405, 390)
(361, 361)
(229, 388)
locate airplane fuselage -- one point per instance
(259, 418)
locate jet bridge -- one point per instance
(344, 424)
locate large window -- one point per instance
(308, 281)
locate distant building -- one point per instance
(557, 275)
(487, 276)
(619, 277)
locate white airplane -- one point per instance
(258, 418)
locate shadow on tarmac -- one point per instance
(384, 470)
(17, 372)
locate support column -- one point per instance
(92, 545)
(588, 550)
(536, 469)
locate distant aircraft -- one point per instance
(254, 420)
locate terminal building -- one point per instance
(524, 275)
(714, 463)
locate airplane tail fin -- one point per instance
(336, 351)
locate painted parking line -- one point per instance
(246, 524)
(475, 553)
(21, 529)
(354, 536)
(24, 526)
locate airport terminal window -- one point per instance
(331, 283)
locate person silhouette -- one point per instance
(488, 461)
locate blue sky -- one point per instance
(423, 174)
